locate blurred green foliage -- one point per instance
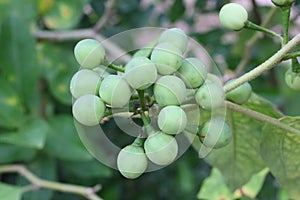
(36, 124)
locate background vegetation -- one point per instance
(37, 38)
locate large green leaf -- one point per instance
(10, 153)
(62, 14)
(32, 135)
(18, 54)
(10, 192)
(63, 141)
(241, 158)
(11, 114)
(44, 167)
(280, 151)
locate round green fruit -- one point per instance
(215, 134)
(169, 90)
(84, 82)
(214, 79)
(88, 110)
(132, 161)
(140, 73)
(167, 58)
(172, 120)
(161, 148)
(210, 95)
(193, 72)
(89, 53)
(292, 79)
(115, 91)
(233, 16)
(241, 94)
(175, 36)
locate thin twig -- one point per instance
(261, 117)
(87, 192)
(106, 16)
(265, 66)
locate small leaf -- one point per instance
(32, 135)
(214, 187)
(10, 192)
(280, 151)
(63, 141)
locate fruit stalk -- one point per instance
(286, 11)
(251, 25)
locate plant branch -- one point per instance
(106, 16)
(251, 42)
(261, 117)
(87, 192)
(265, 66)
(291, 55)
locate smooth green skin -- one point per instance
(214, 79)
(175, 36)
(292, 79)
(161, 148)
(140, 73)
(169, 90)
(88, 110)
(215, 134)
(84, 82)
(172, 120)
(210, 95)
(89, 53)
(241, 94)
(115, 91)
(193, 72)
(233, 16)
(167, 58)
(132, 161)
(284, 3)
(101, 71)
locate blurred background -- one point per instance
(37, 38)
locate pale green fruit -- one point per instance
(84, 82)
(233, 16)
(101, 70)
(161, 148)
(175, 36)
(216, 134)
(89, 53)
(169, 90)
(132, 161)
(167, 58)
(283, 3)
(241, 94)
(292, 79)
(115, 91)
(140, 73)
(88, 110)
(210, 95)
(172, 120)
(193, 72)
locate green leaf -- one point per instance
(177, 10)
(32, 135)
(11, 114)
(280, 151)
(44, 167)
(58, 66)
(241, 158)
(10, 192)
(63, 141)
(63, 14)
(214, 187)
(10, 153)
(18, 55)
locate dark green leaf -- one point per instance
(280, 151)
(10, 153)
(32, 135)
(63, 141)
(11, 114)
(177, 10)
(10, 192)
